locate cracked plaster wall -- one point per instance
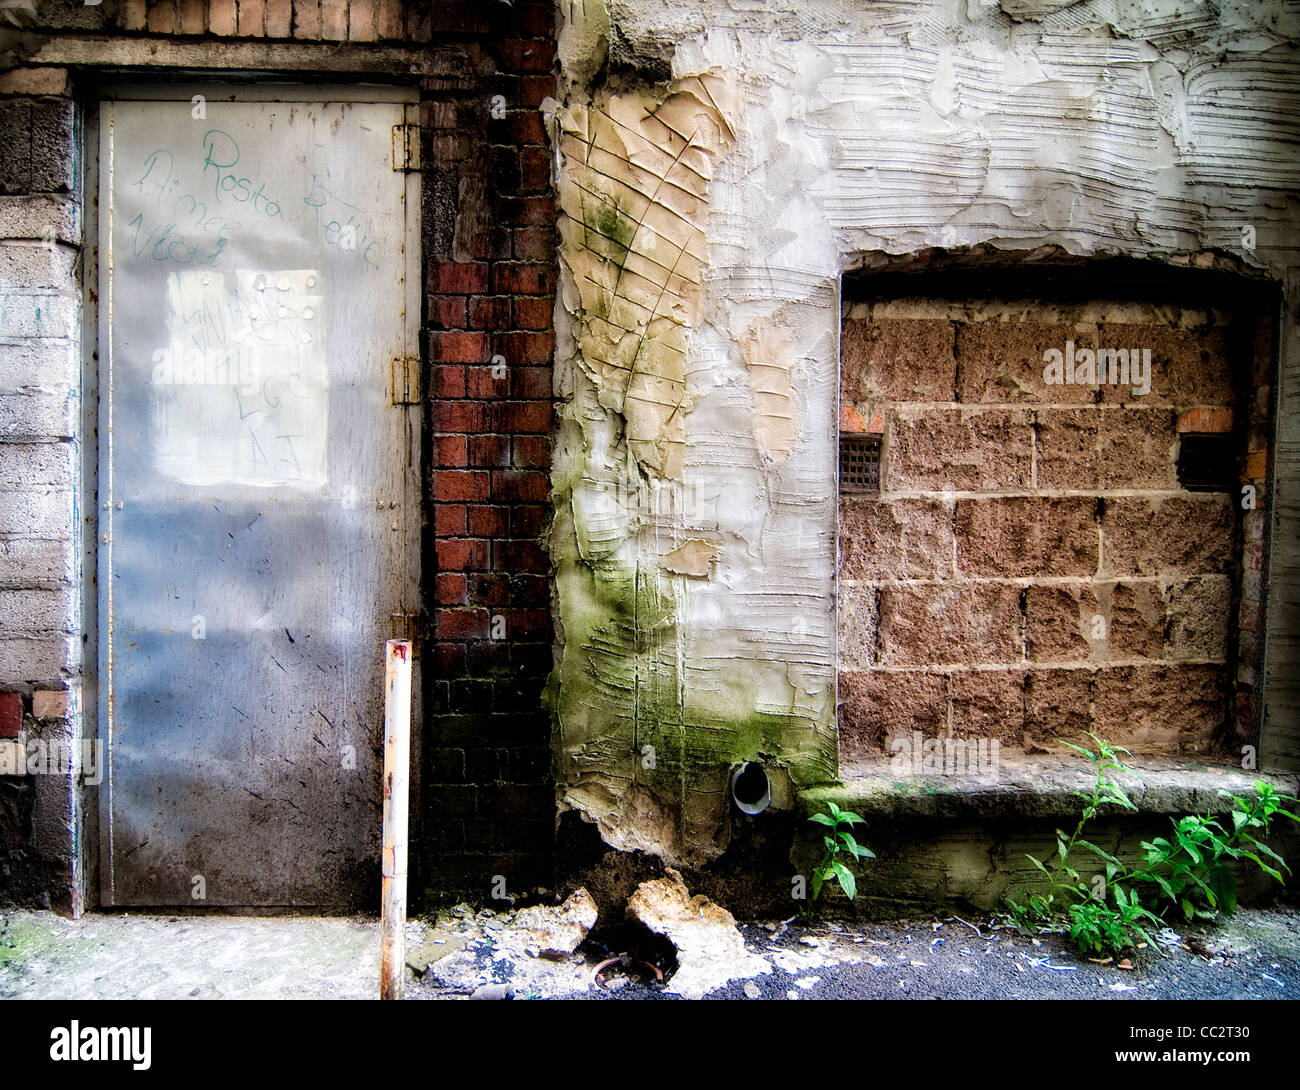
(720, 163)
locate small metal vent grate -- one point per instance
(859, 463)
(1207, 463)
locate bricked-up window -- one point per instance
(1038, 560)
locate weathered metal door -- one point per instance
(258, 488)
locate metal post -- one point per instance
(397, 767)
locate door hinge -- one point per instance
(406, 147)
(406, 380)
(406, 626)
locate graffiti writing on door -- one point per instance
(241, 389)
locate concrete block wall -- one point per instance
(484, 70)
(1031, 566)
(40, 478)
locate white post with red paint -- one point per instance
(397, 769)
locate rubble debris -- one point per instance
(431, 947)
(710, 949)
(493, 991)
(555, 932)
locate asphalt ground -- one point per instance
(1252, 955)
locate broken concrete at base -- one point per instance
(461, 950)
(469, 950)
(544, 931)
(425, 948)
(710, 949)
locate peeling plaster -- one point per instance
(823, 136)
(680, 588)
(582, 42)
(694, 558)
(768, 352)
(632, 194)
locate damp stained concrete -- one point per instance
(1255, 955)
(695, 607)
(46, 956)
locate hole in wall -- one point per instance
(1207, 463)
(751, 788)
(629, 954)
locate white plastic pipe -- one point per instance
(397, 769)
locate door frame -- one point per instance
(92, 822)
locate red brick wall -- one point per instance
(489, 804)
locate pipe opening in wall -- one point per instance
(750, 788)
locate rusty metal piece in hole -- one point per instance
(626, 961)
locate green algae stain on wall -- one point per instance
(645, 744)
(653, 707)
